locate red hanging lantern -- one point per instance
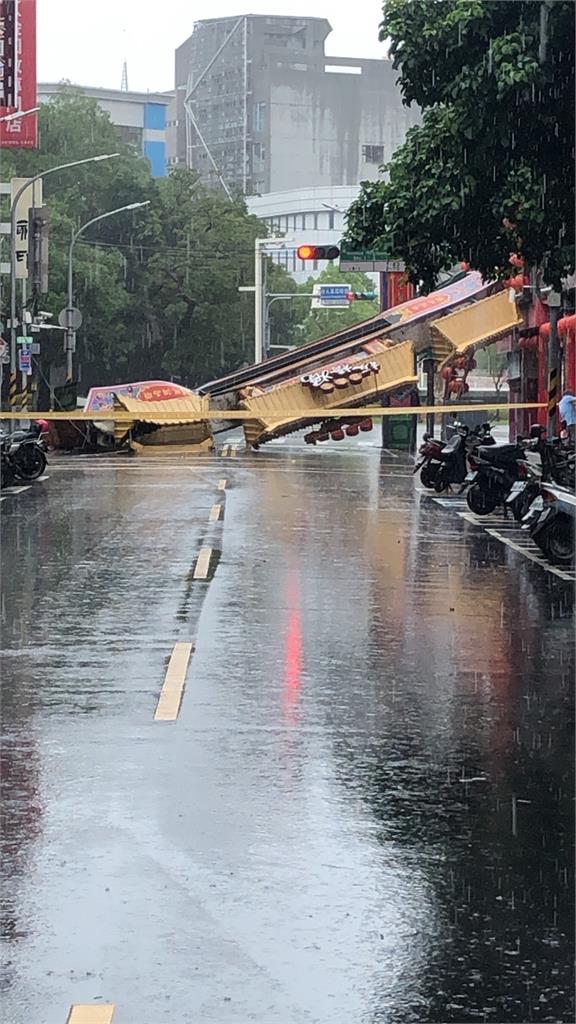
(352, 430)
(455, 386)
(446, 373)
(366, 425)
(337, 435)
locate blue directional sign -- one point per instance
(333, 294)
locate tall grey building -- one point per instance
(260, 107)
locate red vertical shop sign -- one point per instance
(18, 70)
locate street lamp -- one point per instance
(70, 332)
(16, 115)
(30, 181)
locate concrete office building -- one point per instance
(260, 107)
(141, 118)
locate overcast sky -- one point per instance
(86, 41)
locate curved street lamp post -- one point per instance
(13, 211)
(70, 330)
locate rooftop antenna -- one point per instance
(124, 85)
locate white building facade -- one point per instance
(304, 216)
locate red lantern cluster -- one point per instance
(455, 375)
(338, 429)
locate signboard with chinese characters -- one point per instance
(31, 197)
(330, 296)
(145, 391)
(18, 72)
(8, 44)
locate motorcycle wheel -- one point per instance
(521, 506)
(29, 462)
(482, 500)
(7, 474)
(428, 475)
(441, 481)
(557, 542)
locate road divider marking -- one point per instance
(203, 564)
(215, 513)
(90, 1013)
(171, 693)
(221, 485)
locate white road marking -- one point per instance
(508, 524)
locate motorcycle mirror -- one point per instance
(536, 430)
(426, 437)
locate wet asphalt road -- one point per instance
(364, 811)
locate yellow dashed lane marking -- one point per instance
(203, 564)
(91, 1014)
(215, 512)
(221, 485)
(166, 711)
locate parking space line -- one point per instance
(171, 693)
(215, 513)
(16, 490)
(203, 564)
(221, 485)
(533, 556)
(90, 1013)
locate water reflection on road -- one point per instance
(364, 811)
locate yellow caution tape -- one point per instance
(118, 416)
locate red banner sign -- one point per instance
(18, 68)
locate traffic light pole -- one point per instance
(259, 298)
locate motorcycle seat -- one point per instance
(453, 444)
(499, 453)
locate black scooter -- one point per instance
(454, 455)
(23, 455)
(492, 475)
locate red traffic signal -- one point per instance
(318, 252)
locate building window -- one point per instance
(373, 154)
(331, 220)
(259, 116)
(131, 136)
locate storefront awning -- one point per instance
(182, 409)
(479, 324)
(293, 404)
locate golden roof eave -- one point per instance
(480, 323)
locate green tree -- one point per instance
(318, 323)
(158, 288)
(490, 168)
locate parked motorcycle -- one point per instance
(435, 455)
(492, 475)
(550, 520)
(556, 466)
(23, 455)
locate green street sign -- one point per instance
(373, 260)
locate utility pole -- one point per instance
(259, 244)
(554, 301)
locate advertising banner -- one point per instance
(18, 72)
(144, 391)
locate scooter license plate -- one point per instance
(470, 478)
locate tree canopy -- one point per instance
(158, 287)
(489, 170)
(318, 323)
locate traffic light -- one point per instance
(318, 252)
(362, 296)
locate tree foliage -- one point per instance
(319, 323)
(489, 170)
(158, 287)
